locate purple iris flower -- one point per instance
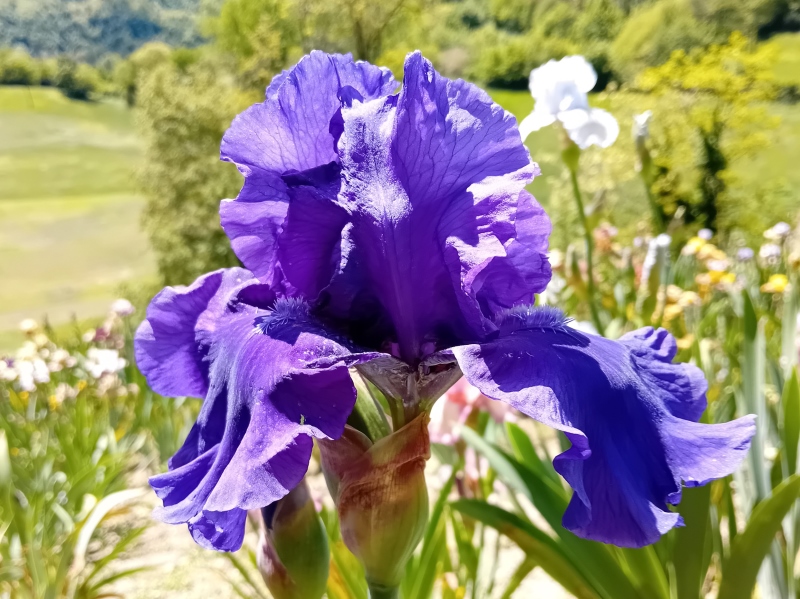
(390, 230)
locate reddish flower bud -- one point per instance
(381, 496)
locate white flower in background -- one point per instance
(718, 265)
(7, 371)
(60, 359)
(27, 351)
(103, 361)
(745, 254)
(641, 126)
(657, 256)
(122, 307)
(28, 326)
(31, 372)
(705, 234)
(779, 232)
(62, 393)
(770, 253)
(560, 90)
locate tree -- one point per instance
(653, 32)
(182, 117)
(721, 91)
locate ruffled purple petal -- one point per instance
(172, 342)
(277, 379)
(627, 409)
(434, 182)
(290, 132)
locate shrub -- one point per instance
(77, 81)
(182, 118)
(18, 68)
(653, 33)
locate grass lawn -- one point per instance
(69, 209)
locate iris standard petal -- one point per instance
(628, 411)
(172, 343)
(289, 133)
(276, 379)
(538, 119)
(432, 182)
(592, 127)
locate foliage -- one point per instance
(127, 73)
(183, 117)
(260, 33)
(18, 68)
(739, 326)
(77, 81)
(653, 32)
(86, 30)
(75, 420)
(722, 91)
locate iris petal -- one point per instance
(288, 133)
(276, 379)
(172, 342)
(628, 411)
(433, 179)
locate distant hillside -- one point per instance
(89, 29)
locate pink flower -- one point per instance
(452, 411)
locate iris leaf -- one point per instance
(537, 545)
(595, 560)
(422, 568)
(751, 546)
(791, 420)
(689, 551)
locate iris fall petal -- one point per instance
(629, 412)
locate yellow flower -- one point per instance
(689, 298)
(24, 395)
(686, 341)
(81, 385)
(672, 311)
(775, 284)
(693, 246)
(710, 252)
(728, 278)
(674, 293)
(53, 402)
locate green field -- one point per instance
(69, 209)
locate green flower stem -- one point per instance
(377, 591)
(587, 233)
(659, 226)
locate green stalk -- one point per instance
(377, 591)
(587, 234)
(658, 221)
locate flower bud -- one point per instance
(381, 496)
(293, 554)
(641, 133)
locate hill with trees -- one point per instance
(88, 30)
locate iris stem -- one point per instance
(587, 233)
(377, 591)
(659, 226)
